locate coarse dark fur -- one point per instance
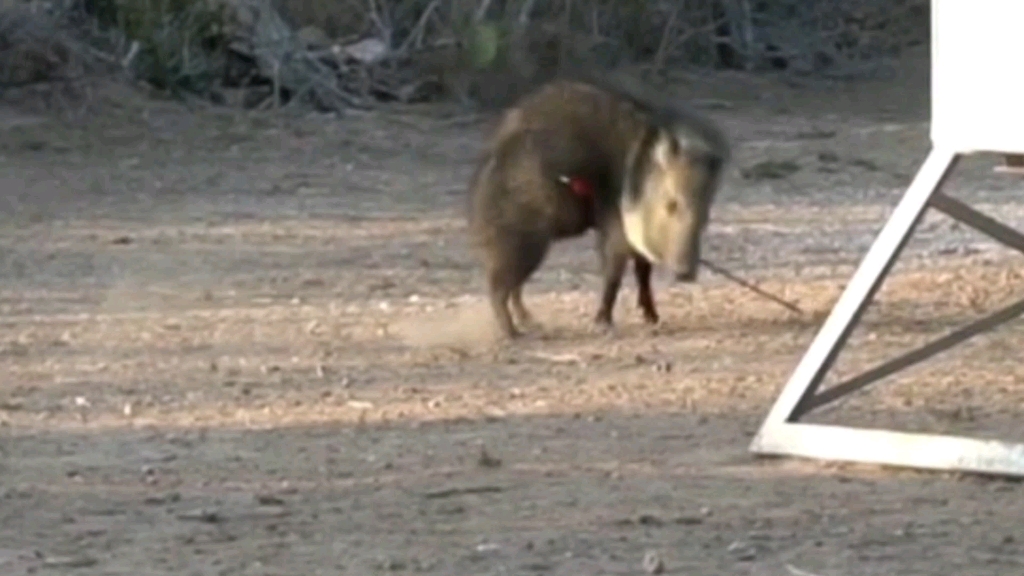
(619, 139)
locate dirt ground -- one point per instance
(256, 344)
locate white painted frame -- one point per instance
(977, 106)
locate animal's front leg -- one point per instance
(645, 296)
(613, 266)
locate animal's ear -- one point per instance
(665, 149)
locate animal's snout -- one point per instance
(686, 262)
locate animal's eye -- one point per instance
(672, 206)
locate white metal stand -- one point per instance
(782, 434)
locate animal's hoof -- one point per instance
(603, 328)
(654, 329)
(509, 335)
(529, 324)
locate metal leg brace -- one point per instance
(782, 434)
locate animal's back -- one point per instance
(616, 107)
(515, 188)
(567, 127)
(598, 119)
(564, 128)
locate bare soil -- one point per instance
(256, 344)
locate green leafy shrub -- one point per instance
(181, 42)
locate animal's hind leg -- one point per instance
(522, 315)
(499, 295)
(645, 297)
(515, 261)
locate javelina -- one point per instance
(578, 154)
